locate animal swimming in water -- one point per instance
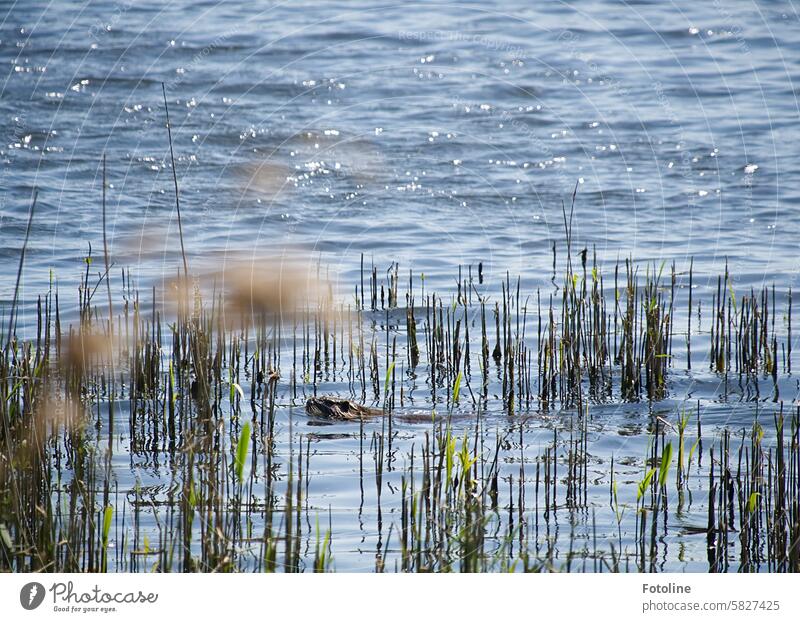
(339, 409)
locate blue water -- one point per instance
(429, 134)
(435, 135)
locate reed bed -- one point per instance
(158, 432)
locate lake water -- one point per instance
(435, 136)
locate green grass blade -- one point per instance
(666, 460)
(642, 487)
(389, 371)
(752, 501)
(241, 450)
(457, 387)
(107, 516)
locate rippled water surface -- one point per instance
(433, 135)
(437, 136)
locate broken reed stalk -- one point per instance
(12, 314)
(175, 181)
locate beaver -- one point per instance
(329, 407)
(340, 409)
